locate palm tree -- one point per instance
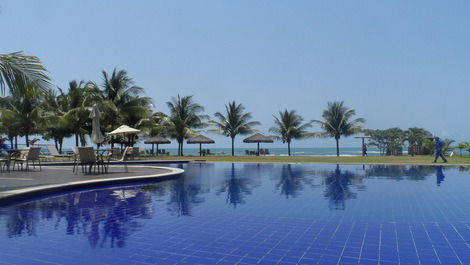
(9, 125)
(76, 104)
(336, 122)
(57, 126)
(22, 107)
(288, 126)
(123, 101)
(183, 119)
(415, 137)
(234, 122)
(16, 68)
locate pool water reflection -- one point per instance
(252, 214)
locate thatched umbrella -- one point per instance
(156, 140)
(200, 139)
(258, 138)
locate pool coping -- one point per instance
(15, 195)
(334, 163)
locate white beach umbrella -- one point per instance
(124, 130)
(96, 135)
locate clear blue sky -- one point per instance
(398, 63)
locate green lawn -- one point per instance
(456, 160)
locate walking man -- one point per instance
(438, 151)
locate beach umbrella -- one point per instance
(156, 140)
(96, 135)
(124, 130)
(200, 139)
(258, 138)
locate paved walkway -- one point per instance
(58, 175)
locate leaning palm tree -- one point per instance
(234, 122)
(183, 119)
(337, 122)
(288, 126)
(18, 68)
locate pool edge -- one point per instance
(13, 196)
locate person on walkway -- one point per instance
(364, 150)
(438, 151)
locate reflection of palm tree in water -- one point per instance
(290, 182)
(182, 197)
(85, 213)
(22, 221)
(235, 187)
(439, 175)
(337, 188)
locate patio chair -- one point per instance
(76, 157)
(31, 154)
(3, 164)
(88, 159)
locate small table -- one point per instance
(100, 157)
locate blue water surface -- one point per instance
(252, 214)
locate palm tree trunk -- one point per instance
(288, 148)
(27, 140)
(337, 146)
(16, 141)
(61, 140)
(76, 139)
(182, 142)
(233, 146)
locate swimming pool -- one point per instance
(252, 214)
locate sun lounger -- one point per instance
(55, 153)
(122, 159)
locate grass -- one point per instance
(416, 160)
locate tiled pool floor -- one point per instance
(252, 214)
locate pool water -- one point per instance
(252, 214)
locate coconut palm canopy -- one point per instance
(200, 139)
(258, 138)
(124, 130)
(157, 140)
(16, 68)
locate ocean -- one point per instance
(319, 151)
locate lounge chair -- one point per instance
(133, 152)
(123, 158)
(31, 154)
(55, 153)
